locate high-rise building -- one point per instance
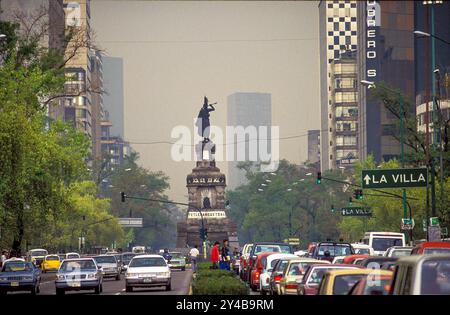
(247, 110)
(98, 114)
(337, 34)
(314, 147)
(78, 108)
(426, 21)
(385, 53)
(113, 97)
(344, 112)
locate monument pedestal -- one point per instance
(206, 189)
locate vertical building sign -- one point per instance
(373, 23)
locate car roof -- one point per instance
(273, 256)
(360, 271)
(333, 243)
(360, 245)
(434, 244)
(148, 256)
(417, 258)
(271, 243)
(307, 259)
(51, 255)
(78, 259)
(72, 253)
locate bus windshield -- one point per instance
(382, 244)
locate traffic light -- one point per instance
(319, 178)
(203, 233)
(122, 195)
(350, 200)
(332, 208)
(358, 194)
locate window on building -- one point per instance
(336, 26)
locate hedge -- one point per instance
(217, 282)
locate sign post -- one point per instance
(395, 178)
(408, 224)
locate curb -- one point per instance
(190, 285)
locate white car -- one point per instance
(338, 260)
(362, 249)
(148, 271)
(264, 278)
(398, 251)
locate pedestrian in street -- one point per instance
(215, 255)
(167, 255)
(225, 256)
(193, 255)
(3, 257)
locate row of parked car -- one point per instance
(343, 268)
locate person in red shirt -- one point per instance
(215, 255)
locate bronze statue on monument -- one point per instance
(203, 128)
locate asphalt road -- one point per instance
(180, 286)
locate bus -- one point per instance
(381, 241)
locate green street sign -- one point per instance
(356, 212)
(395, 178)
(434, 221)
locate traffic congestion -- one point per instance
(382, 264)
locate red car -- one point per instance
(257, 269)
(313, 276)
(349, 260)
(431, 248)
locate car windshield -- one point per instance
(273, 263)
(343, 284)
(401, 252)
(177, 255)
(17, 266)
(335, 250)
(282, 265)
(362, 251)
(105, 259)
(317, 274)
(77, 265)
(437, 251)
(148, 262)
(71, 256)
(266, 249)
(39, 253)
(382, 244)
(52, 258)
(436, 277)
(298, 268)
(126, 258)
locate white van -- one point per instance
(362, 249)
(381, 241)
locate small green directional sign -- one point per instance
(395, 178)
(356, 212)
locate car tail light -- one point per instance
(257, 274)
(277, 278)
(292, 286)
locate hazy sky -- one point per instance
(174, 53)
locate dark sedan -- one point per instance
(18, 275)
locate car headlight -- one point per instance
(60, 277)
(92, 276)
(3, 279)
(164, 274)
(130, 274)
(28, 278)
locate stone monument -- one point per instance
(206, 190)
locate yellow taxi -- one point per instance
(340, 282)
(50, 263)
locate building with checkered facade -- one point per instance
(337, 36)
